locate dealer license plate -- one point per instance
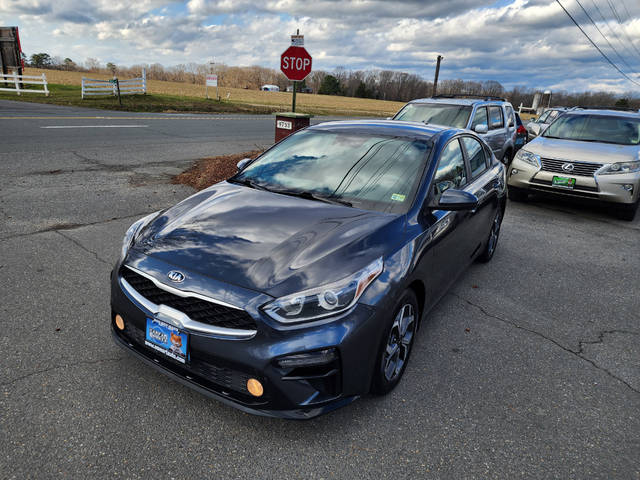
(563, 182)
(166, 339)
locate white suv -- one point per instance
(593, 154)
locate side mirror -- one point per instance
(481, 128)
(456, 200)
(535, 128)
(243, 163)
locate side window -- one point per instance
(510, 117)
(495, 117)
(475, 155)
(552, 116)
(543, 118)
(480, 118)
(451, 172)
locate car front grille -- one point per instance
(198, 310)
(582, 169)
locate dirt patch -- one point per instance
(212, 170)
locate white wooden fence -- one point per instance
(19, 80)
(93, 87)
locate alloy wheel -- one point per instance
(399, 343)
(495, 233)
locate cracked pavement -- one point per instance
(528, 368)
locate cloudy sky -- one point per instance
(516, 42)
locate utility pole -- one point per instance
(435, 80)
(295, 85)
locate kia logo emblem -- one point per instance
(567, 167)
(176, 276)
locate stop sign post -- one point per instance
(295, 63)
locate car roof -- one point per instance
(386, 127)
(607, 112)
(459, 101)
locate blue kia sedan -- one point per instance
(298, 285)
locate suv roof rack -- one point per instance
(604, 107)
(470, 95)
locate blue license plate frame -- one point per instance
(167, 339)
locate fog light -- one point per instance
(514, 171)
(119, 322)
(309, 359)
(255, 387)
(628, 187)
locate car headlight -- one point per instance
(528, 157)
(133, 230)
(619, 168)
(320, 302)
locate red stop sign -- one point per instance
(295, 63)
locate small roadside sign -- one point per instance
(212, 81)
(297, 40)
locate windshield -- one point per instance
(371, 172)
(436, 113)
(596, 128)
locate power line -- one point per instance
(604, 36)
(596, 46)
(623, 30)
(615, 34)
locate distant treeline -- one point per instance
(378, 84)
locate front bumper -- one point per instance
(603, 188)
(220, 367)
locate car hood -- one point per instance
(576, 151)
(268, 242)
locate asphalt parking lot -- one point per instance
(529, 368)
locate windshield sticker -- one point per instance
(396, 197)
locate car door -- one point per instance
(484, 185)
(445, 235)
(497, 134)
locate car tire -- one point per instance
(627, 211)
(517, 194)
(494, 236)
(395, 348)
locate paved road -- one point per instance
(530, 368)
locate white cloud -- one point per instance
(524, 42)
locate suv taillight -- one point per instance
(521, 130)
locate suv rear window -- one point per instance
(436, 113)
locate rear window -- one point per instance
(475, 154)
(436, 113)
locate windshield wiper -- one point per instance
(312, 196)
(247, 182)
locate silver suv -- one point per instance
(538, 125)
(593, 154)
(491, 117)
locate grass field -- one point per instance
(174, 96)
